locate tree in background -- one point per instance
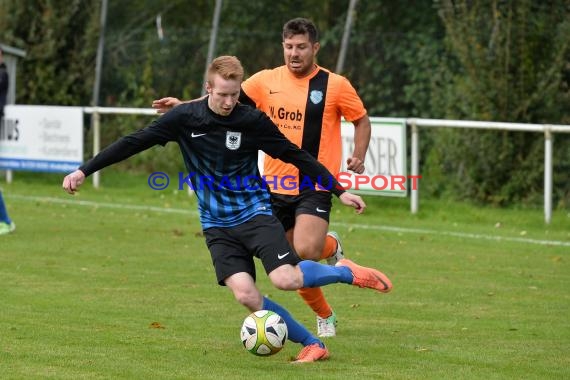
(477, 59)
(394, 57)
(506, 61)
(60, 39)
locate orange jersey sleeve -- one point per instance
(308, 112)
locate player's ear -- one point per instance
(208, 87)
(316, 47)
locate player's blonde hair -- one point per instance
(226, 66)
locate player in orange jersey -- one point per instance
(306, 101)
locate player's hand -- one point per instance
(353, 200)
(355, 164)
(165, 104)
(72, 181)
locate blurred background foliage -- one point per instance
(494, 60)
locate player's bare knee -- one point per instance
(284, 284)
(286, 278)
(308, 252)
(250, 299)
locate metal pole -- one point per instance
(345, 36)
(414, 196)
(95, 119)
(547, 174)
(213, 38)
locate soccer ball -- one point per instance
(263, 333)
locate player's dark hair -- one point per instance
(300, 25)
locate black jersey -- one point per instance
(220, 154)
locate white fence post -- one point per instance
(414, 192)
(547, 174)
(96, 142)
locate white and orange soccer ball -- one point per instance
(263, 333)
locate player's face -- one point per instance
(299, 54)
(223, 94)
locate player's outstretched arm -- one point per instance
(165, 104)
(353, 200)
(72, 181)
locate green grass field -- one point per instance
(117, 283)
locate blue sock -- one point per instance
(316, 275)
(3, 212)
(296, 332)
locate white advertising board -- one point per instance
(385, 170)
(41, 138)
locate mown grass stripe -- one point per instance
(422, 231)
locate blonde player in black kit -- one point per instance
(220, 139)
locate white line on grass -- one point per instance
(77, 202)
(455, 234)
(346, 225)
